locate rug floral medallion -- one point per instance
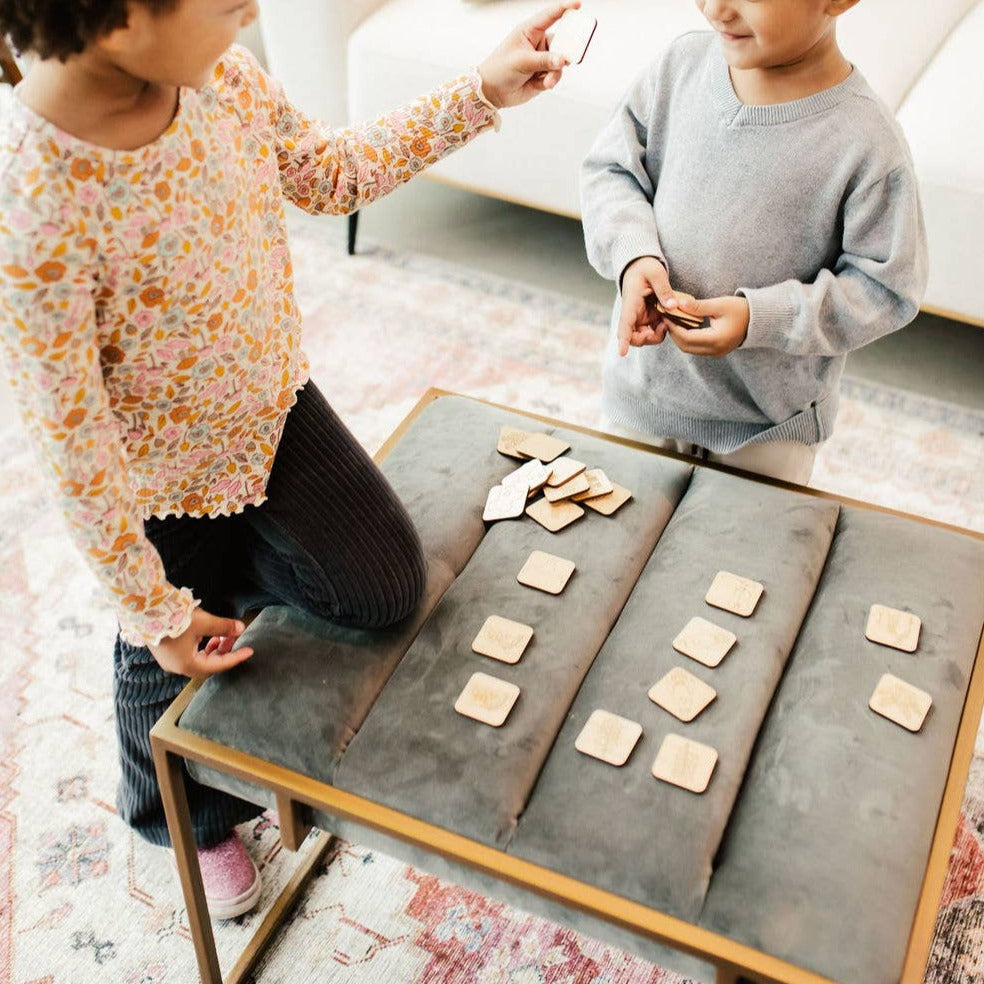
(85, 901)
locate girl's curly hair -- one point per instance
(59, 28)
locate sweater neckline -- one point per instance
(741, 114)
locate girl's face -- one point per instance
(180, 46)
(759, 34)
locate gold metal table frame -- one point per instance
(172, 746)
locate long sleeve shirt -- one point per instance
(809, 209)
(147, 313)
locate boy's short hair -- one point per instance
(59, 28)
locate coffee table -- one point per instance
(819, 848)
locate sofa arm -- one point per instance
(305, 42)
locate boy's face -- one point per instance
(769, 33)
(179, 46)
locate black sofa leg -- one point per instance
(353, 226)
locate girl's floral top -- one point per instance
(147, 315)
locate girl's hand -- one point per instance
(521, 67)
(729, 326)
(644, 281)
(181, 654)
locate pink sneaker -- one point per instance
(231, 879)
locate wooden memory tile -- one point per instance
(564, 469)
(542, 446)
(554, 516)
(504, 502)
(891, 627)
(509, 440)
(554, 493)
(502, 639)
(487, 699)
(598, 484)
(685, 763)
(733, 593)
(533, 475)
(704, 641)
(610, 503)
(682, 694)
(900, 702)
(546, 572)
(608, 737)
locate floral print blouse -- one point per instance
(147, 315)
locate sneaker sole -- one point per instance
(238, 905)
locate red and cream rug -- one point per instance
(84, 901)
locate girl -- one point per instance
(153, 343)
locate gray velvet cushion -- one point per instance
(826, 849)
(812, 837)
(667, 836)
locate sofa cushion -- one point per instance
(942, 120)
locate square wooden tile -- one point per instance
(891, 627)
(682, 694)
(542, 446)
(554, 493)
(900, 702)
(504, 502)
(684, 762)
(487, 699)
(564, 469)
(608, 737)
(502, 639)
(733, 593)
(608, 504)
(704, 641)
(598, 484)
(554, 516)
(509, 440)
(533, 475)
(546, 572)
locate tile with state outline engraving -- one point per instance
(504, 502)
(682, 694)
(542, 446)
(608, 737)
(685, 763)
(610, 503)
(892, 627)
(734, 594)
(900, 702)
(509, 440)
(487, 699)
(598, 484)
(704, 641)
(534, 475)
(546, 572)
(502, 639)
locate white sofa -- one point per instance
(349, 59)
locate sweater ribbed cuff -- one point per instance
(769, 318)
(627, 248)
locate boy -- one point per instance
(755, 169)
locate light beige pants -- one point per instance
(786, 460)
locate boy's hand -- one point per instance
(728, 328)
(521, 67)
(644, 281)
(181, 654)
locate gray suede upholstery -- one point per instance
(811, 840)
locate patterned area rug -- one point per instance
(84, 901)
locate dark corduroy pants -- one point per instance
(331, 539)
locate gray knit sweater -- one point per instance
(808, 208)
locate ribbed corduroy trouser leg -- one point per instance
(332, 539)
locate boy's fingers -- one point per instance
(214, 625)
(220, 662)
(535, 62)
